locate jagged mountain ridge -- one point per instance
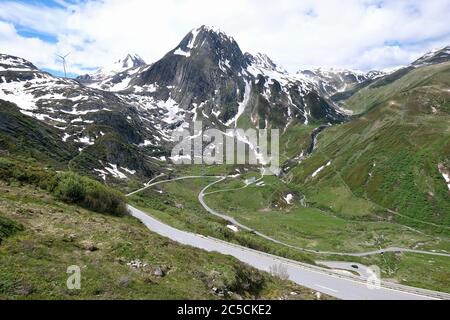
(98, 123)
(114, 77)
(334, 80)
(433, 57)
(208, 76)
(389, 76)
(205, 77)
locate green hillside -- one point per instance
(42, 233)
(387, 158)
(25, 136)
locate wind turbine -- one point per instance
(63, 59)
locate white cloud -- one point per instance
(33, 49)
(354, 33)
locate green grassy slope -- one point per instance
(264, 208)
(401, 81)
(41, 236)
(387, 158)
(23, 135)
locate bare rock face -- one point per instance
(117, 123)
(208, 71)
(433, 57)
(114, 77)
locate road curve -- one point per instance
(244, 227)
(201, 199)
(149, 184)
(313, 277)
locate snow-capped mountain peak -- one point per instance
(206, 39)
(12, 63)
(333, 80)
(263, 61)
(130, 61)
(116, 76)
(433, 57)
(208, 71)
(216, 31)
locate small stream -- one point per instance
(291, 163)
(314, 135)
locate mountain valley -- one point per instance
(365, 159)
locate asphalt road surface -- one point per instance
(316, 278)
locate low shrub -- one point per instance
(100, 198)
(66, 186)
(8, 228)
(69, 187)
(90, 194)
(247, 281)
(24, 173)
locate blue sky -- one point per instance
(357, 34)
(28, 32)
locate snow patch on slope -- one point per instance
(445, 174)
(180, 52)
(320, 169)
(172, 110)
(242, 105)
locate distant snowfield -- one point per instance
(15, 92)
(27, 94)
(115, 171)
(172, 110)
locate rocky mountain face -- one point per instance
(433, 57)
(126, 112)
(104, 128)
(207, 76)
(331, 81)
(114, 77)
(120, 118)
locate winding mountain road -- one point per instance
(201, 199)
(232, 220)
(316, 278)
